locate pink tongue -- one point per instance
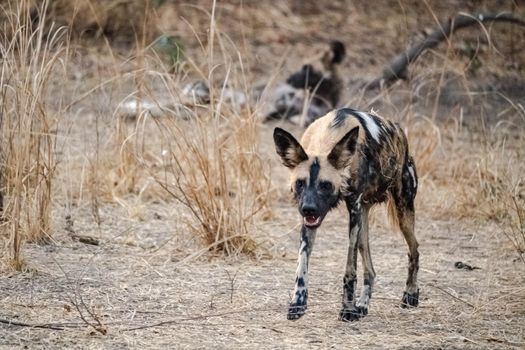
(311, 220)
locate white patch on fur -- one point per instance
(302, 272)
(358, 201)
(364, 299)
(371, 125)
(413, 175)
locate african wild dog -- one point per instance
(361, 159)
(316, 86)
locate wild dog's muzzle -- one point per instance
(312, 221)
(312, 218)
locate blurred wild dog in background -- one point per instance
(312, 91)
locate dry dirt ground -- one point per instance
(149, 284)
(145, 292)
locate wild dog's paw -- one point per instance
(352, 314)
(295, 311)
(410, 299)
(363, 309)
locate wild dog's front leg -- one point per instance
(298, 305)
(368, 268)
(350, 312)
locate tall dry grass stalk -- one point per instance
(207, 160)
(218, 176)
(490, 186)
(28, 141)
(472, 174)
(205, 157)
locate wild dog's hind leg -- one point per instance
(368, 268)
(411, 294)
(404, 202)
(349, 311)
(297, 307)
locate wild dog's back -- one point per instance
(322, 135)
(381, 143)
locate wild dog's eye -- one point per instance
(326, 186)
(299, 184)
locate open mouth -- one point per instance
(312, 221)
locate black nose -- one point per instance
(309, 210)
(307, 67)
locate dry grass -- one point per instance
(160, 191)
(210, 160)
(28, 143)
(215, 168)
(120, 21)
(220, 178)
(206, 157)
(469, 163)
(490, 185)
(473, 177)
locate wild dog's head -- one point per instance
(319, 75)
(316, 180)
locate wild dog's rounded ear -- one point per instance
(342, 152)
(291, 152)
(338, 51)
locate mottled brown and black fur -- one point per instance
(363, 160)
(316, 86)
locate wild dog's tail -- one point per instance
(392, 211)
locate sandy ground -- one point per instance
(149, 284)
(145, 294)
(146, 299)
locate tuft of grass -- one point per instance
(217, 172)
(27, 129)
(490, 186)
(220, 179)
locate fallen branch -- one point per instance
(398, 66)
(60, 326)
(85, 239)
(23, 324)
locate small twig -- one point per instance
(99, 327)
(455, 297)
(85, 239)
(232, 284)
(461, 265)
(52, 326)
